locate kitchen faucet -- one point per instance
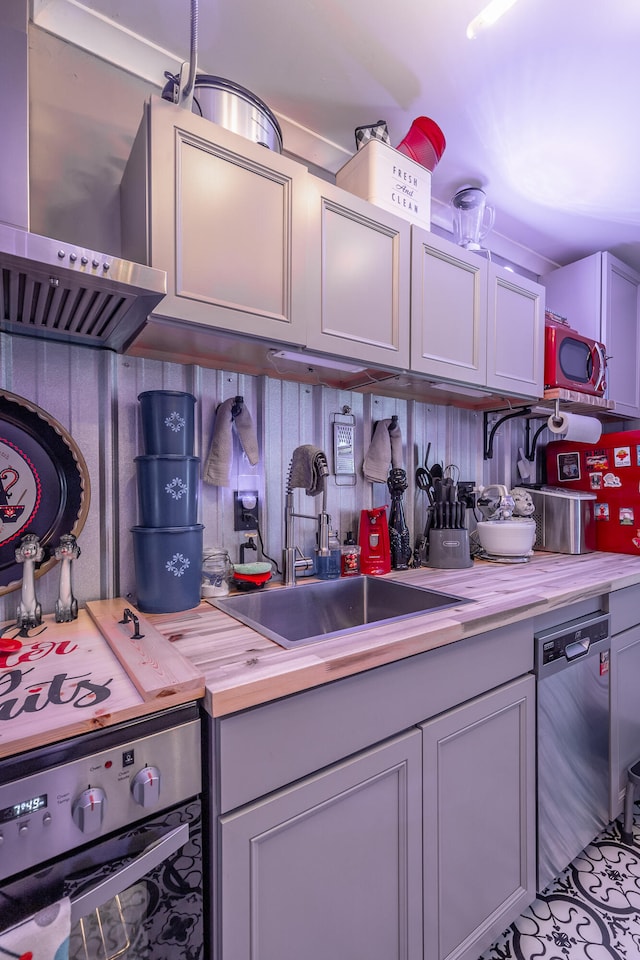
(293, 558)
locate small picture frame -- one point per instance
(568, 466)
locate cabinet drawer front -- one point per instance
(624, 607)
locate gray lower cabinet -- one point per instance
(624, 607)
(331, 866)
(388, 815)
(479, 820)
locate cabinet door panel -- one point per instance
(479, 820)
(448, 310)
(515, 334)
(621, 333)
(359, 257)
(219, 233)
(331, 866)
(228, 224)
(625, 716)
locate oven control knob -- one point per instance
(146, 786)
(88, 809)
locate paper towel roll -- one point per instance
(575, 427)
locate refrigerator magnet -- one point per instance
(622, 456)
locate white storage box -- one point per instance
(388, 178)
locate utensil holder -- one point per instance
(449, 549)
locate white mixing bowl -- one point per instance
(507, 538)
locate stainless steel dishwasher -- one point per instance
(572, 667)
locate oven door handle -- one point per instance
(152, 857)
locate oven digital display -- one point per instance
(23, 809)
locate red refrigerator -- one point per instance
(611, 470)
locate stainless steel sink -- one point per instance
(308, 612)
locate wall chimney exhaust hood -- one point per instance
(56, 290)
(47, 287)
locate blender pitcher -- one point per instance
(472, 217)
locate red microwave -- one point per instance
(573, 362)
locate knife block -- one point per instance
(449, 549)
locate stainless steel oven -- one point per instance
(110, 821)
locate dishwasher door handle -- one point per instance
(579, 648)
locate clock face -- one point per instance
(44, 484)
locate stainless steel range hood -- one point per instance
(47, 287)
(56, 290)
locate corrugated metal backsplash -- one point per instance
(93, 394)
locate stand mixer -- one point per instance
(507, 531)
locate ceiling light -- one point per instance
(488, 17)
(310, 361)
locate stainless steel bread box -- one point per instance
(565, 520)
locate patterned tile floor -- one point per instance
(591, 912)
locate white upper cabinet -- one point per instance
(359, 268)
(473, 322)
(448, 310)
(600, 297)
(515, 333)
(225, 218)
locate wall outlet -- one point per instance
(245, 510)
(466, 493)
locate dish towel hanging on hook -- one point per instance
(229, 414)
(43, 936)
(385, 451)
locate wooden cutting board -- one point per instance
(64, 679)
(152, 663)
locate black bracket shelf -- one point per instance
(530, 442)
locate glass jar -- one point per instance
(350, 559)
(216, 572)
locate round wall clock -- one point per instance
(44, 484)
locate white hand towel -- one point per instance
(43, 936)
(385, 451)
(217, 469)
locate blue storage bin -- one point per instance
(168, 566)
(167, 422)
(168, 490)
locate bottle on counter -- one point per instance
(328, 565)
(350, 557)
(216, 572)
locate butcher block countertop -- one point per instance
(244, 669)
(71, 678)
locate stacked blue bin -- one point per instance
(167, 545)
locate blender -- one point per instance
(473, 217)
